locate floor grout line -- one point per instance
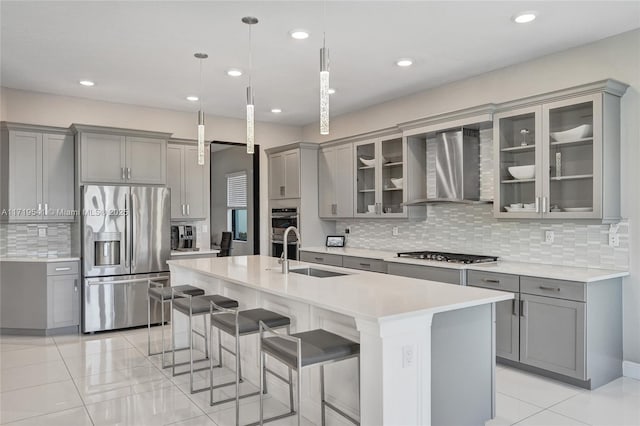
(75, 385)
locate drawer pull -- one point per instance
(490, 281)
(368, 265)
(542, 287)
(319, 258)
(63, 269)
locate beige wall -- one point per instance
(51, 110)
(616, 57)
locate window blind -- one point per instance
(237, 190)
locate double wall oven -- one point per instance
(281, 219)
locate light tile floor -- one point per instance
(107, 379)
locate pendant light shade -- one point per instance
(250, 20)
(250, 121)
(200, 138)
(201, 56)
(324, 91)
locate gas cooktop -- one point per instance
(448, 257)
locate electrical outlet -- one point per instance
(42, 232)
(614, 240)
(394, 231)
(347, 230)
(407, 356)
(548, 237)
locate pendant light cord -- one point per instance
(200, 90)
(250, 56)
(324, 22)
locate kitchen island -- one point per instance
(427, 348)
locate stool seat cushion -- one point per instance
(164, 293)
(249, 321)
(201, 304)
(317, 346)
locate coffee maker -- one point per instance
(183, 238)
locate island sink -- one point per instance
(318, 273)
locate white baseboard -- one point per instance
(631, 369)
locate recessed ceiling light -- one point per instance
(524, 17)
(299, 34)
(404, 62)
(331, 91)
(87, 83)
(192, 98)
(276, 110)
(234, 72)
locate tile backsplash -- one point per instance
(22, 240)
(472, 229)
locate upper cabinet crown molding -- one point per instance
(481, 115)
(293, 145)
(77, 128)
(34, 128)
(610, 86)
(380, 133)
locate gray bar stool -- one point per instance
(243, 323)
(196, 306)
(158, 292)
(306, 349)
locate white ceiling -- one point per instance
(141, 52)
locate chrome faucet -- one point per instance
(283, 259)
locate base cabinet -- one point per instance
(558, 328)
(63, 301)
(552, 335)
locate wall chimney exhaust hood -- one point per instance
(457, 168)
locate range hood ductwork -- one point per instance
(457, 168)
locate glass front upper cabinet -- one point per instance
(550, 159)
(380, 177)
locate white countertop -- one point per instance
(558, 272)
(358, 294)
(194, 253)
(39, 259)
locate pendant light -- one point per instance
(200, 57)
(324, 82)
(250, 20)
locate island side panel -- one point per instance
(462, 366)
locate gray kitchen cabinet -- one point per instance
(63, 301)
(568, 330)
(507, 312)
(552, 335)
(37, 174)
(284, 174)
(321, 258)
(39, 298)
(335, 181)
(423, 272)
(365, 264)
(112, 155)
(188, 181)
(570, 143)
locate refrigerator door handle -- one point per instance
(131, 222)
(126, 234)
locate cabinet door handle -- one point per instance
(334, 209)
(39, 208)
(122, 173)
(188, 210)
(537, 204)
(46, 209)
(63, 269)
(544, 204)
(75, 285)
(282, 191)
(128, 172)
(513, 307)
(522, 308)
(490, 281)
(544, 287)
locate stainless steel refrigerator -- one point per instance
(126, 240)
